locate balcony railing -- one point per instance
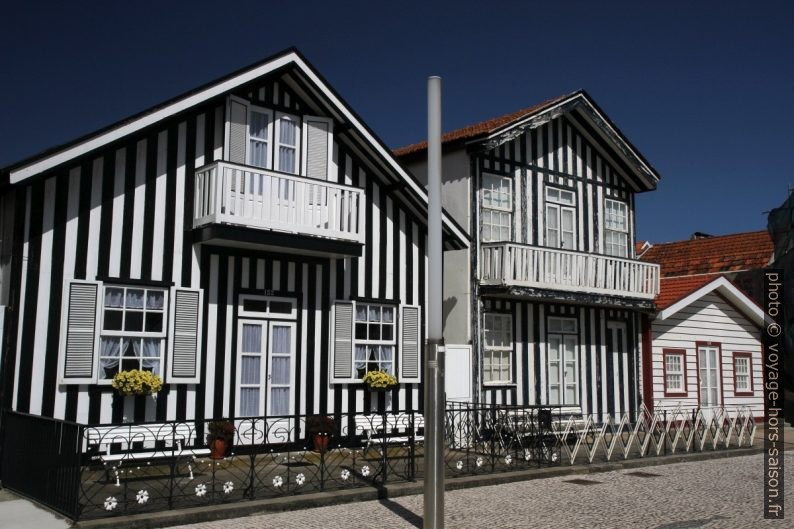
(551, 268)
(228, 193)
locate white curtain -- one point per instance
(151, 354)
(114, 297)
(280, 370)
(279, 403)
(250, 369)
(109, 356)
(134, 299)
(252, 338)
(154, 300)
(249, 402)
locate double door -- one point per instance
(265, 379)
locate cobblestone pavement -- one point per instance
(722, 493)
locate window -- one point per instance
(674, 372)
(497, 348)
(259, 129)
(133, 330)
(560, 218)
(287, 135)
(497, 208)
(374, 338)
(616, 228)
(256, 306)
(562, 363)
(742, 374)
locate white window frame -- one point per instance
(490, 210)
(680, 372)
(277, 141)
(616, 236)
(368, 342)
(490, 351)
(292, 315)
(268, 140)
(141, 335)
(747, 389)
(563, 328)
(557, 206)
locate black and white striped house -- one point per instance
(252, 241)
(553, 299)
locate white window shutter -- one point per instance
(79, 332)
(410, 343)
(342, 342)
(184, 336)
(318, 139)
(236, 129)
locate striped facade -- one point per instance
(122, 215)
(559, 148)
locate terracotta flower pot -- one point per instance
(217, 449)
(321, 442)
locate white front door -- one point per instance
(709, 371)
(265, 374)
(562, 369)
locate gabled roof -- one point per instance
(722, 286)
(712, 255)
(290, 58)
(490, 130)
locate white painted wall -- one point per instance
(709, 319)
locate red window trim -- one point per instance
(665, 353)
(749, 356)
(718, 345)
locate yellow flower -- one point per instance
(379, 379)
(137, 382)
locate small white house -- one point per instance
(706, 347)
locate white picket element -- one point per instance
(229, 193)
(512, 264)
(652, 433)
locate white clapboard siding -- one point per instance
(709, 319)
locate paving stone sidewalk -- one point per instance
(723, 493)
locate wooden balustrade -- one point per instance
(555, 269)
(258, 198)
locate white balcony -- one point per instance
(511, 264)
(238, 195)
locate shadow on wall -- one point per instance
(447, 307)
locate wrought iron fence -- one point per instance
(104, 470)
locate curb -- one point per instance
(321, 499)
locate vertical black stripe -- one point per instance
(621, 380)
(220, 337)
(31, 297)
(299, 332)
(187, 223)
(209, 135)
(536, 325)
(238, 274)
(206, 266)
(368, 242)
(129, 209)
(324, 332)
(172, 143)
(56, 290)
(106, 216)
(149, 206)
(631, 348)
(422, 285)
(83, 220)
(117, 407)
(610, 381)
(588, 375)
(311, 341)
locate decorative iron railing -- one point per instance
(104, 470)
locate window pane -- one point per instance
(280, 307)
(257, 128)
(254, 305)
(154, 300)
(250, 369)
(114, 297)
(288, 135)
(133, 321)
(374, 313)
(252, 338)
(388, 332)
(112, 321)
(280, 370)
(134, 299)
(249, 402)
(286, 159)
(361, 331)
(154, 322)
(258, 154)
(374, 331)
(361, 312)
(279, 404)
(388, 314)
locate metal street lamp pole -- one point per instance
(434, 349)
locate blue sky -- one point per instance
(702, 89)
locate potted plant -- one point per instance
(379, 380)
(320, 428)
(137, 382)
(220, 435)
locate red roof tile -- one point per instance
(675, 288)
(481, 128)
(712, 255)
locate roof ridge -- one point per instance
(711, 238)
